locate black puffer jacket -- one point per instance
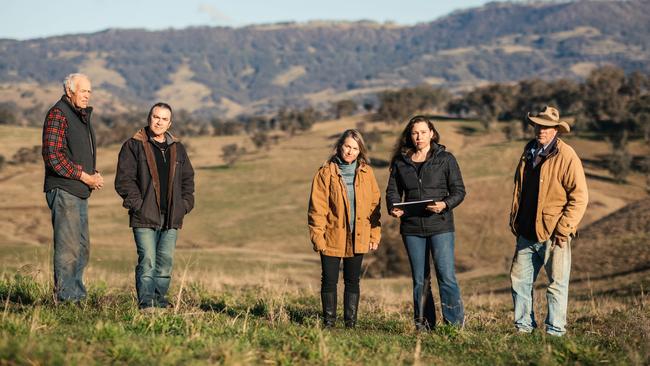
(137, 182)
(439, 179)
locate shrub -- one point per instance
(26, 155)
(231, 153)
(619, 164)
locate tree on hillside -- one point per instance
(226, 128)
(368, 105)
(395, 106)
(640, 115)
(645, 169)
(532, 95)
(8, 113)
(261, 139)
(619, 162)
(604, 104)
(293, 120)
(344, 107)
(27, 155)
(231, 153)
(306, 118)
(490, 103)
(371, 138)
(514, 131)
(566, 95)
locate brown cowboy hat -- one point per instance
(549, 116)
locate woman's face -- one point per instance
(421, 135)
(349, 150)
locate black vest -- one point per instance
(80, 140)
(525, 222)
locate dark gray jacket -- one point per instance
(439, 179)
(137, 182)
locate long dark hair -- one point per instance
(356, 136)
(161, 105)
(405, 145)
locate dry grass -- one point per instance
(95, 67)
(259, 206)
(185, 92)
(287, 77)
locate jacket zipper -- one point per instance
(168, 203)
(419, 176)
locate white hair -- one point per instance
(69, 81)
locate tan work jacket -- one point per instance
(328, 213)
(562, 197)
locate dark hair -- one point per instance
(404, 144)
(160, 105)
(356, 136)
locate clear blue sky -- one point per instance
(25, 19)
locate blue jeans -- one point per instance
(529, 258)
(155, 258)
(441, 247)
(71, 243)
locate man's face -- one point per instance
(81, 96)
(544, 134)
(161, 120)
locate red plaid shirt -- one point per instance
(55, 146)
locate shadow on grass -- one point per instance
(470, 130)
(218, 306)
(608, 276)
(299, 314)
(214, 167)
(600, 178)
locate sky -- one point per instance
(27, 19)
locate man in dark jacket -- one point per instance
(156, 181)
(70, 176)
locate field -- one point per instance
(246, 282)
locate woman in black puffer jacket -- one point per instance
(421, 169)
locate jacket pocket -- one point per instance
(550, 220)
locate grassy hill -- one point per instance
(246, 281)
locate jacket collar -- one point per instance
(334, 167)
(552, 148)
(434, 151)
(83, 113)
(143, 135)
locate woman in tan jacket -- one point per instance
(344, 222)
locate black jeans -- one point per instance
(351, 273)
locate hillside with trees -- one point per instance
(216, 70)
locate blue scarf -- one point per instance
(348, 172)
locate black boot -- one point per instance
(350, 306)
(329, 309)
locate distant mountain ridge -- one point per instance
(243, 70)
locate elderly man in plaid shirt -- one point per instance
(69, 154)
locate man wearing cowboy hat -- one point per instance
(549, 200)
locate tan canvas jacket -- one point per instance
(562, 198)
(329, 229)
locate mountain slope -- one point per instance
(616, 244)
(266, 66)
